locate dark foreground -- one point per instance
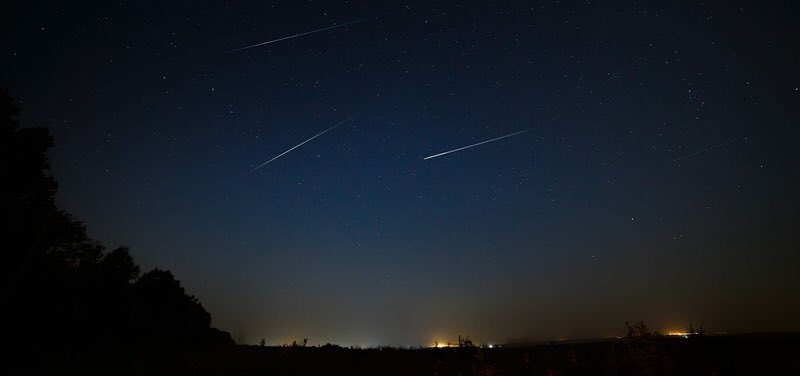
(712, 355)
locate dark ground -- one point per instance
(710, 355)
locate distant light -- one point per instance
(679, 334)
(441, 345)
(491, 346)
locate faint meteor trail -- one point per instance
(712, 147)
(301, 144)
(292, 36)
(473, 145)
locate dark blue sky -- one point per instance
(659, 182)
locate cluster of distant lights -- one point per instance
(447, 345)
(679, 334)
(439, 345)
(687, 335)
(491, 346)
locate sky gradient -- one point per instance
(659, 180)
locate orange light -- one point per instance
(679, 334)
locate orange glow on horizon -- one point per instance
(678, 334)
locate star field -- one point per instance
(658, 181)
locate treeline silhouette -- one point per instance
(70, 305)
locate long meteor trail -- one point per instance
(474, 145)
(292, 36)
(300, 144)
(712, 147)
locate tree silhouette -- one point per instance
(699, 331)
(118, 265)
(31, 223)
(642, 348)
(464, 341)
(60, 283)
(164, 313)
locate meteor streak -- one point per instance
(473, 145)
(706, 149)
(292, 36)
(300, 144)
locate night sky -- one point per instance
(658, 181)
